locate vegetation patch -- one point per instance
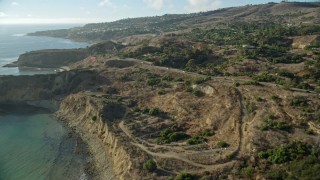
(185, 176)
(265, 77)
(154, 111)
(168, 136)
(199, 139)
(222, 144)
(153, 81)
(276, 174)
(286, 153)
(254, 83)
(94, 118)
(299, 101)
(162, 92)
(247, 172)
(150, 165)
(272, 123)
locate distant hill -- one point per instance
(295, 13)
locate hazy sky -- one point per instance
(85, 11)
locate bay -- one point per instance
(13, 42)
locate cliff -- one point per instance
(56, 58)
(84, 113)
(16, 89)
(53, 58)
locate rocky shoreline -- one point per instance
(101, 166)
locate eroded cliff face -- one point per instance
(88, 114)
(18, 89)
(85, 114)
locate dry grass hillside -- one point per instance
(209, 128)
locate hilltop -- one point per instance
(225, 94)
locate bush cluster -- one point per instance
(288, 152)
(199, 139)
(150, 165)
(273, 123)
(168, 136)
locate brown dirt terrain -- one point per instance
(233, 114)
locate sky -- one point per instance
(92, 11)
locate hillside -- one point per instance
(294, 13)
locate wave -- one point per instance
(18, 35)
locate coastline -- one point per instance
(101, 162)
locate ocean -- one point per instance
(37, 147)
(13, 42)
(33, 144)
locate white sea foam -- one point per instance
(8, 60)
(18, 35)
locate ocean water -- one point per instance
(36, 147)
(33, 145)
(13, 42)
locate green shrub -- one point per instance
(168, 136)
(167, 78)
(196, 140)
(199, 80)
(300, 101)
(309, 132)
(276, 174)
(135, 109)
(165, 133)
(236, 84)
(259, 99)
(264, 128)
(265, 77)
(162, 92)
(189, 89)
(279, 125)
(176, 136)
(207, 133)
(263, 154)
(94, 118)
(286, 74)
(285, 153)
(184, 176)
(125, 77)
(164, 85)
(199, 139)
(197, 92)
(247, 172)
(145, 110)
(250, 107)
(153, 81)
(231, 156)
(154, 111)
(275, 97)
(272, 123)
(222, 144)
(187, 82)
(150, 165)
(255, 83)
(178, 80)
(306, 168)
